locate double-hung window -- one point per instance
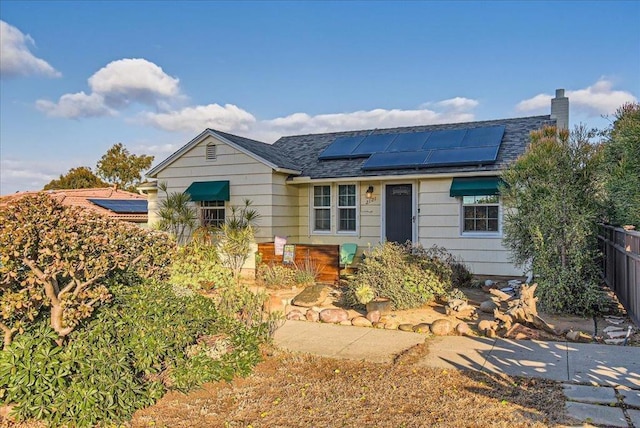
(480, 213)
(322, 208)
(212, 213)
(347, 208)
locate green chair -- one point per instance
(347, 254)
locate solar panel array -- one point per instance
(122, 206)
(466, 146)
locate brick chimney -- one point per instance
(560, 109)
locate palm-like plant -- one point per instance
(236, 235)
(177, 216)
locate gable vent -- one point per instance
(211, 152)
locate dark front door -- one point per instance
(399, 213)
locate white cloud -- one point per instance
(595, 100)
(17, 175)
(16, 58)
(116, 86)
(76, 106)
(457, 103)
(195, 119)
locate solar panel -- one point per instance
(374, 144)
(408, 142)
(465, 156)
(396, 160)
(486, 136)
(341, 147)
(445, 139)
(122, 206)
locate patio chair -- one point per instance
(347, 254)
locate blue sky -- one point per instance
(77, 77)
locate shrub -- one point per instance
(58, 259)
(409, 279)
(276, 276)
(128, 355)
(197, 266)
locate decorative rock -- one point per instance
(488, 283)
(485, 325)
(421, 328)
(614, 341)
(612, 328)
(345, 322)
(361, 322)
(578, 336)
(274, 304)
(462, 328)
(295, 315)
(405, 327)
(333, 316)
(490, 333)
(289, 308)
(441, 327)
(379, 325)
(351, 313)
(312, 316)
(374, 316)
(391, 325)
(313, 295)
(521, 332)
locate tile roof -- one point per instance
(80, 198)
(303, 150)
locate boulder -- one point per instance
(311, 296)
(578, 336)
(379, 325)
(488, 306)
(381, 304)
(441, 327)
(295, 315)
(463, 329)
(391, 325)
(345, 322)
(361, 322)
(405, 327)
(274, 304)
(374, 316)
(423, 327)
(352, 313)
(333, 315)
(312, 315)
(486, 325)
(521, 332)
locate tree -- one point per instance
(77, 178)
(60, 258)
(622, 167)
(550, 212)
(121, 168)
(177, 216)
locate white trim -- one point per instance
(312, 211)
(356, 206)
(396, 178)
(153, 172)
(472, 234)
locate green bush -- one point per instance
(276, 276)
(409, 276)
(197, 266)
(126, 357)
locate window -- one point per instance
(347, 208)
(480, 213)
(212, 213)
(322, 208)
(211, 152)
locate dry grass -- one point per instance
(289, 390)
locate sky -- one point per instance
(78, 77)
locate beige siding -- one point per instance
(439, 224)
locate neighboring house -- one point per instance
(108, 201)
(433, 185)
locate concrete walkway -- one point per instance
(601, 382)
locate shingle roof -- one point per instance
(266, 151)
(303, 150)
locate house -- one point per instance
(431, 184)
(107, 201)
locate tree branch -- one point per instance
(50, 286)
(8, 335)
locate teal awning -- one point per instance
(474, 186)
(209, 191)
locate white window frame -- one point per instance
(481, 233)
(205, 206)
(315, 208)
(353, 207)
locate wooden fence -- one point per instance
(325, 257)
(620, 250)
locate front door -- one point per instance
(399, 213)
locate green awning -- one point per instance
(474, 186)
(209, 191)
